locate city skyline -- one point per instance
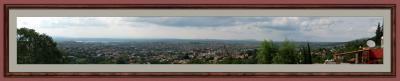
(321, 29)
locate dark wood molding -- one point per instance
(202, 6)
(392, 74)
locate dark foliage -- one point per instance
(35, 48)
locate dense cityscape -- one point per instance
(172, 51)
(157, 51)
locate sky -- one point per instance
(316, 29)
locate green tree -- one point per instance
(378, 35)
(329, 55)
(307, 54)
(278, 59)
(286, 54)
(266, 52)
(317, 59)
(35, 48)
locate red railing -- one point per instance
(363, 56)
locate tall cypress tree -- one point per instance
(378, 34)
(307, 54)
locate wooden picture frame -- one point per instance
(392, 73)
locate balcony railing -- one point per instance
(363, 56)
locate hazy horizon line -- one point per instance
(120, 38)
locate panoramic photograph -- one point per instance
(200, 40)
